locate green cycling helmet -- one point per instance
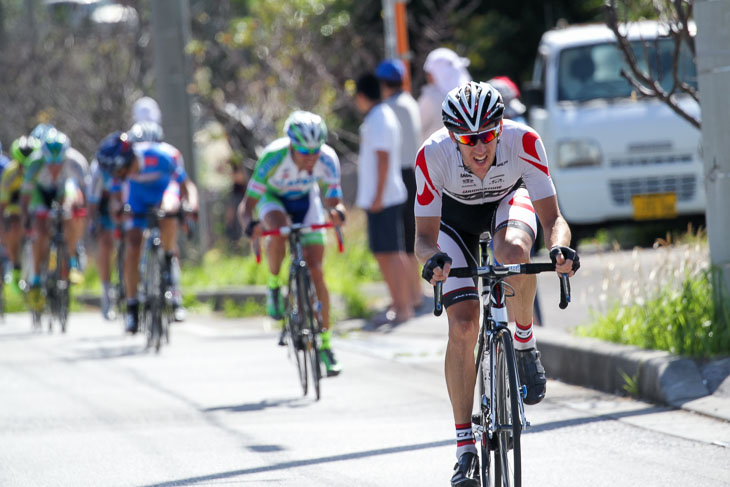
(22, 148)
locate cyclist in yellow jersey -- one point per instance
(10, 186)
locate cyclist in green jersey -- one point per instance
(284, 188)
(10, 186)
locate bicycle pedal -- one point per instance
(476, 419)
(523, 392)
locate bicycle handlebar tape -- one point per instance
(564, 291)
(438, 306)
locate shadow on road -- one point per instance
(107, 353)
(302, 463)
(594, 419)
(258, 406)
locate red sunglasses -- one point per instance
(486, 137)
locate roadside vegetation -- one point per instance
(345, 273)
(668, 306)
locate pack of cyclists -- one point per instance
(135, 170)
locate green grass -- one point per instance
(344, 272)
(672, 308)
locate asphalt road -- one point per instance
(222, 406)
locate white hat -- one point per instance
(447, 68)
(146, 109)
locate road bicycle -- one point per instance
(500, 419)
(303, 318)
(56, 284)
(156, 286)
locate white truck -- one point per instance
(615, 155)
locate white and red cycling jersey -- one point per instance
(468, 205)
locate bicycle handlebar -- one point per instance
(298, 227)
(496, 272)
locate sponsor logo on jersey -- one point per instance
(529, 146)
(425, 197)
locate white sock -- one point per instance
(464, 440)
(524, 338)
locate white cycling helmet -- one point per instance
(146, 109)
(306, 129)
(146, 132)
(472, 107)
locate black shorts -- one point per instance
(409, 218)
(385, 230)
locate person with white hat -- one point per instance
(445, 70)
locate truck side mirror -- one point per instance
(533, 94)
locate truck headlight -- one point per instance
(578, 153)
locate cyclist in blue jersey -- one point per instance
(154, 178)
(284, 187)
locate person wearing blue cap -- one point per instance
(391, 73)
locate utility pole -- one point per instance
(396, 35)
(713, 66)
(171, 34)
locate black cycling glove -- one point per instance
(439, 259)
(249, 227)
(568, 253)
(340, 213)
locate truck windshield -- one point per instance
(592, 72)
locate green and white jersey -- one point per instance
(276, 173)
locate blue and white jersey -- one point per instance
(159, 163)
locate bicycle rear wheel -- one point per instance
(311, 331)
(507, 456)
(294, 323)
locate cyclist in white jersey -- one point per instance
(284, 187)
(482, 173)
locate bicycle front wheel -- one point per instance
(153, 300)
(295, 313)
(62, 287)
(312, 330)
(507, 456)
(486, 445)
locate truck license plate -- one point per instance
(654, 206)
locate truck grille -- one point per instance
(623, 189)
(650, 160)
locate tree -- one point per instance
(82, 80)
(676, 15)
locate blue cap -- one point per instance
(392, 70)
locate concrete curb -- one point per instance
(657, 376)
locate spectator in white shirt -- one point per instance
(381, 193)
(391, 74)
